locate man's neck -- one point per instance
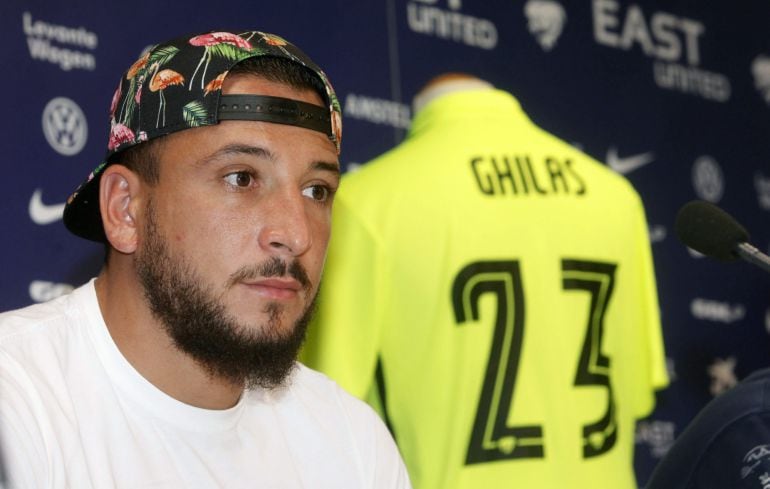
(143, 341)
(443, 86)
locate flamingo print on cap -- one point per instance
(160, 81)
(216, 44)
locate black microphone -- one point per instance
(708, 229)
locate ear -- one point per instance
(120, 192)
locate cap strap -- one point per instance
(275, 109)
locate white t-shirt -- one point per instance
(75, 414)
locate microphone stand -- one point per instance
(753, 255)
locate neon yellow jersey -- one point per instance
(491, 290)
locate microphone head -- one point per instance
(708, 229)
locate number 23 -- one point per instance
(492, 438)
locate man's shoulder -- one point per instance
(306, 381)
(328, 396)
(330, 426)
(313, 400)
(28, 319)
(726, 445)
(37, 319)
(749, 397)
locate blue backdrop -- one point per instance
(675, 95)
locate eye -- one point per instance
(319, 193)
(240, 179)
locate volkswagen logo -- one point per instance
(65, 126)
(707, 179)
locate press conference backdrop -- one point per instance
(675, 95)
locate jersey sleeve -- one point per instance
(344, 336)
(653, 351)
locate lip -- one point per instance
(275, 288)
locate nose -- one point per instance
(286, 226)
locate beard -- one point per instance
(196, 320)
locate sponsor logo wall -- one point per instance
(672, 95)
(68, 47)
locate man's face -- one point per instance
(235, 235)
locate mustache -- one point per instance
(273, 267)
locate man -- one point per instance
(726, 446)
(491, 289)
(176, 366)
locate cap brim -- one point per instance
(82, 216)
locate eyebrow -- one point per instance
(329, 167)
(230, 149)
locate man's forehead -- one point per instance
(254, 149)
(257, 140)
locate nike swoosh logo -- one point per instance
(695, 254)
(627, 164)
(41, 213)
